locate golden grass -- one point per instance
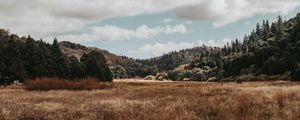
(157, 101)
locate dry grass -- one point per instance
(157, 101)
(59, 84)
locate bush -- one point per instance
(263, 77)
(199, 75)
(296, 76)
(274, 77)
(45, 84)
(250, 77)
(150, 77)
(161, 76)
(186, 79)
(286, 76)
(212, 79)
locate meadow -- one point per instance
(137, 100)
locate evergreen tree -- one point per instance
(95, 66)
(77, 70)
(61, 65)
(280, 28)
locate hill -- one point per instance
(125, 67)
(121, 66)
(270, 52)
(25, 58)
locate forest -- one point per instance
(25, 58)
(270, 52)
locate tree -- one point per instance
(77, 70)
(258, 29)
(280, 28)
(33, 59)
(95, 66)
(61, 65)
(296, 76)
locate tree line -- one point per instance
(25, 58)
(270, 52)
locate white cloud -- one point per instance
(223, 12)
(215, 43)
(188, 22)
(158, 48)
(168, 20)
(114, 33)
(175, 29)
(43, 17)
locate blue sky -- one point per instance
(142, 29)
(198, 33)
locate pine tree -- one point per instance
(61, 65)
(95, 66)
(280, 28)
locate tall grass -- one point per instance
(45, 84)
(156, 101)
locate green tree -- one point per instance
(95, 66)
(61, 64)
(77, 70)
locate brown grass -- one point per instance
(157, 101)
(59, 84)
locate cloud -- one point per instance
(175, 29)
(114, 33)
(168, 20)
(158, 48)
(214, 43)
(223, 12)
(188, 22)
(42, 18)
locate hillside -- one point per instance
(121, 66)
(125, 67)
(25, 58)
(270, 52)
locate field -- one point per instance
(138, 100)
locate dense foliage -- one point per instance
(270, 52)
(24, 58)
(120, 66)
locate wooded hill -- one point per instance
(125, 67)
(270, 52)
(25, 58)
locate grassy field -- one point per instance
(137, 100)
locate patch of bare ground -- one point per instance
(157, 101)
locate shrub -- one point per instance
(186, 79)
(199, 76)
(45, 84)
(150, 77)
(286, 76)
(274, 77)
(161, 76)
(296, 76)
(263, 77)
(212, 79)
(243, 78)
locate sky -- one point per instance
(141, 28)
